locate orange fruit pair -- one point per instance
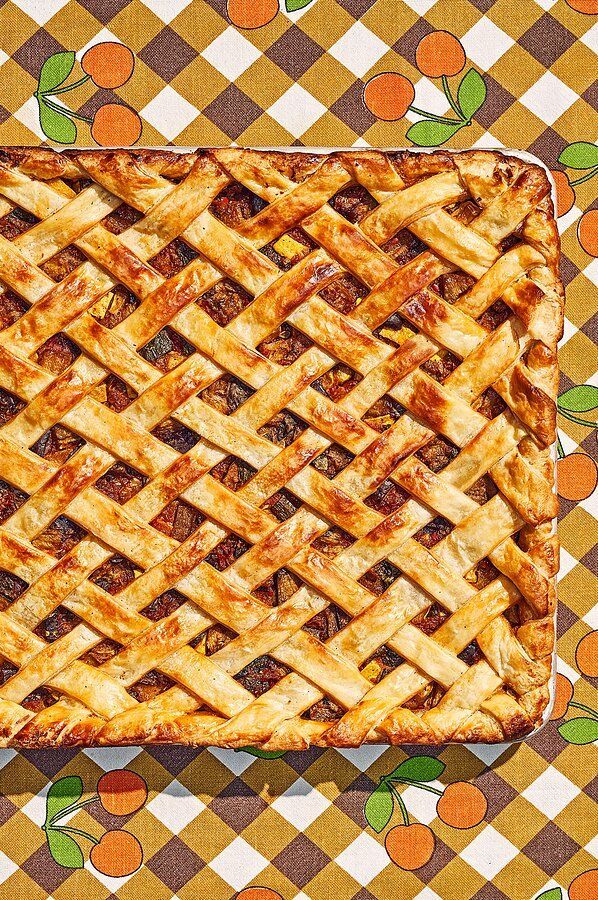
(117, 853)
(439, 53)
(410, 846)
(462, 805)
(115, 125)
(586, 655)
(577, 476)
(563, 692)
(251, 13)
(587, 232)
(108, 64)
(122, 792)
(388, 96)
(565, 195)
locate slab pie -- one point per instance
(275, 447)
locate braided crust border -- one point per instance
(530, 390)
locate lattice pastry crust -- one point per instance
(275, 441)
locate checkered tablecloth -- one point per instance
(217, 822)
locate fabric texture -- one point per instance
(303, 825)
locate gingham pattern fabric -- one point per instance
(217, 821)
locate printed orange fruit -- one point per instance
(117, 854)
(586, 655)
(251, 13)
(585, 886)
(410, 846)
(115, 125)
(577, 476)
(587, 232)
(589, 7)
(439, 53)
(462, 805)
(562, 694)
(388, 96)
(109, 64)
(122, 792)
(565, 195)
(258, 893)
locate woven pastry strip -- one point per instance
(275, 441)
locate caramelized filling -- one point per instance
(325, 710)
(178, 520)
(433, 532)
(337, 382)
(438, 453)
(115, 574)
(472, 654)
(114, 393)
(332, 461)
(57, 354)
(332, 542)
(490, 404)
(16, 222)
(114, 307)
(327, 623)
(163, 605)
(344, 293)
(482, 574)
(215, 638)
(430, 619)
(60, 537)
(172, 258)
(60, 621)
(167, 350)
(353, 202)
(226, 394)
(403, 247)
(277, 589)
(380, 577)
(384, 413)
(441, 365)
(11, 586)
(495, 315)
(63, 263)
(121, 482)
(483, 490)
(226, 552)
(150, 686)
(283, 428)
(262, 674)
(57, 445)
(11, 498)
(236, 203)
(224, 301)
(380, 664)
(233, 472)
(123, 217)
(9, 406)
(176, 435)
(289, 249)
(12, 307)
(284, 345)
(387, 498)
(453, 285)
(282, 504)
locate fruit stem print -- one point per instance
(581, 729)
(249, 14)
(389, 96)
(577, 473)
(117, 852)
(106, 65)
(410, 846)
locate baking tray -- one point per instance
(507, 151)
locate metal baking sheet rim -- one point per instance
(507, 151)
